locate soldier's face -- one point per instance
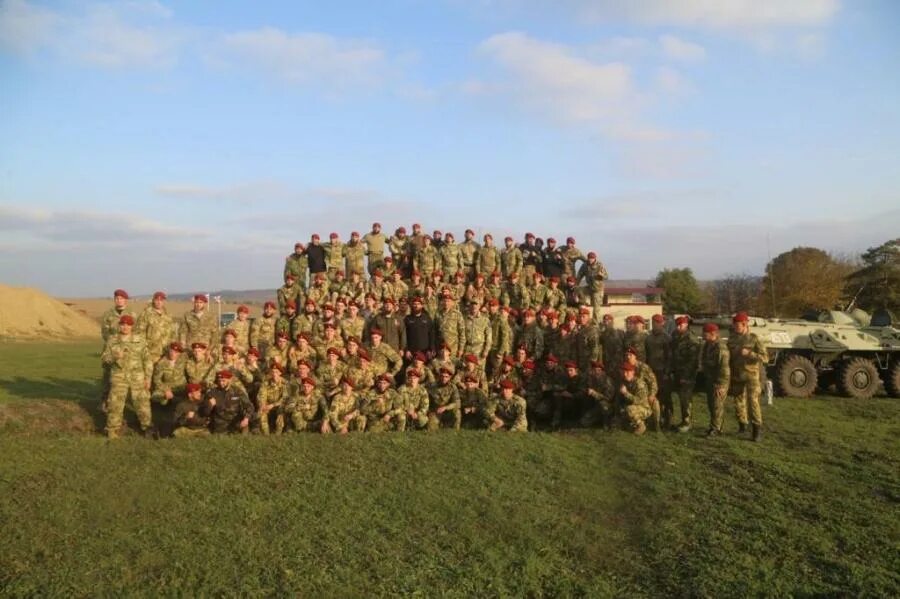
(509, 243)
(584, 318)
(307, 388)
(120, 301)
(199, 352)
(631, 358)
(657, 326)
(445, 377)
(174, 354)
(223, 382)
(194, 396)
(199, 306)
(506, 392)
(741, 327)
(376, 228)
(268, 310)
(469, 236)
(682, 327)
(608, 322)
(571, 372)
(158, 303)
(242, 316)
(125, 329)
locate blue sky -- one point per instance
(186, 146)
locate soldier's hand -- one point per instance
(169, 394)
(720, 392)
(440, 410)
(622, 389)
(245, 422)
(147, 385)
(387, 418)
(745, 351)
(212, 402)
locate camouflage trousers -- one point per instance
(716, 404)
(600, 412)
(357, 424)
(376, 424)
(511, 426)
(299, 420)
(120, 391)
(746, 395)
(375, 262)
(449, 418)
(685, 391)
(355, 267)
(405, 420)
(636, 415)
(666, 407)
(596, 299)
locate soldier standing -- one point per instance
(714, 362)
(469, 251)
(451, 258)
(375, 241)
(451, 328)
(747, 355)
(684, 351)
(478, 333)
(156, 326)
(241, 327)
(553, 260)
(334, 255)
(199, 324)
(297, 264)
(355, 254)
(510, 259)
(571, 255)
(531, 258)
(659, 359)
(315, 256)
(109, 328)
(262, 333)
(488, 259)
(130, 374)
(593, 273)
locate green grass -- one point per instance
(813, 510)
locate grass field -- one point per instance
(813, 510)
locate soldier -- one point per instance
(414, 401)
(130, 373)
(306, 322)
(659, 359)
(635, 397)
(451, 326)
(376, 406)
(593, 273)
(553, 260)
(477, 292)
(167, 387)
(428, 259)
(473, 402)
(478, 333)
(396, 289)
(530, 389)
(297, 264)
(334, 256)
(501, 335)
(531, 336)
(684, 353)
(188, 420)
(385, 358)
(613, 341)
(747, 355)
(571, 255)
(109, 328)
(507, 371)
(600, 393)
(272, 395)
(636, 336)
(488, 259)
(569, 400)
(471, 367)
(156, 326)
(285, 322)
(320, 292)
(494, 287)
(241, 327)
(451, 257)
(356, 288)
(507, 411)
(198, 368)
(262, 332)
(515, 294)
(391, 325)
(354, 324)
(228, 408)
(343, 411)
(315, 256)
(588, 347)
(645, 373)
(331, 371)
(304, 406)
(469, 250)
(444, 402)
(510, 258)
(289, 292)
(375, 241)
(537, 290)
(555, 298)
(714, 362)
(199, 324)
(361, 371)
(355, 255)
(398, 245)
(319, 330)
(420, 333)
(279, 352)
(531, 258)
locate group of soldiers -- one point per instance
(437, 335)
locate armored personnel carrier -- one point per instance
(854, 353)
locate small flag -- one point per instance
(218, 299)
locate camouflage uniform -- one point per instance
(510, 261)
(352, 327)
(452, 330)
(594, 275)
(342, 405)
(304, 410)
(374, 243)
(130, 372)
(515, 295)
(488, 260)
(199, 371)
(588, 347)
(447, 397)
(286, 293)
(501, 339)
(714, 362)
(109, 322)
(355, 256)
(659, 359)
(613, 341)
(157, 328)
(532, 337)
(168, 375)
(271, 397)
(745, 382)
(601, 394)
(329, 376)
(570, 257)
(469, 250)
(385, 359)
(232, 406)
(262, 333)
(428, 260)
(203, 328)
(412, 399)
(511, 411)
(451, 260)
(473, 407)
(636, 399)
(374, 406)
(478, 336)
(188, 421)
(241, 330)
(297, 265)
(684, 351)
(334, 257)
(555, 299)
(637, 340)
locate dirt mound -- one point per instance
(27, 313)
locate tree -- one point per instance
(877, 284)
(803, 279)
(681, 293)
(733, 293)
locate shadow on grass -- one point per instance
(54, 403)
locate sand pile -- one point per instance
(27, 313)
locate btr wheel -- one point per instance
(858, 378)
(796, 377)
(892, 381)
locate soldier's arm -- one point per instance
(724, 375)
(147, 363)
(759, 350)
(488, 341)
(538, 344)
(107, 356)
(454, 403)
(521, 422)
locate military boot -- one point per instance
(684, 427)
(641, 429)
(742, 427)
(757, 433)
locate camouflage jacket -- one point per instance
(157, 329)
(128, 358)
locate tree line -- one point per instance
(794, 283)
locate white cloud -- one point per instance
(672, 83)
(306, 58)
(259, 192)
(811, 46)
(681, 50)
(123, 35)
(554, 80)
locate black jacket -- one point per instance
(316, 256)
(420, 333)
